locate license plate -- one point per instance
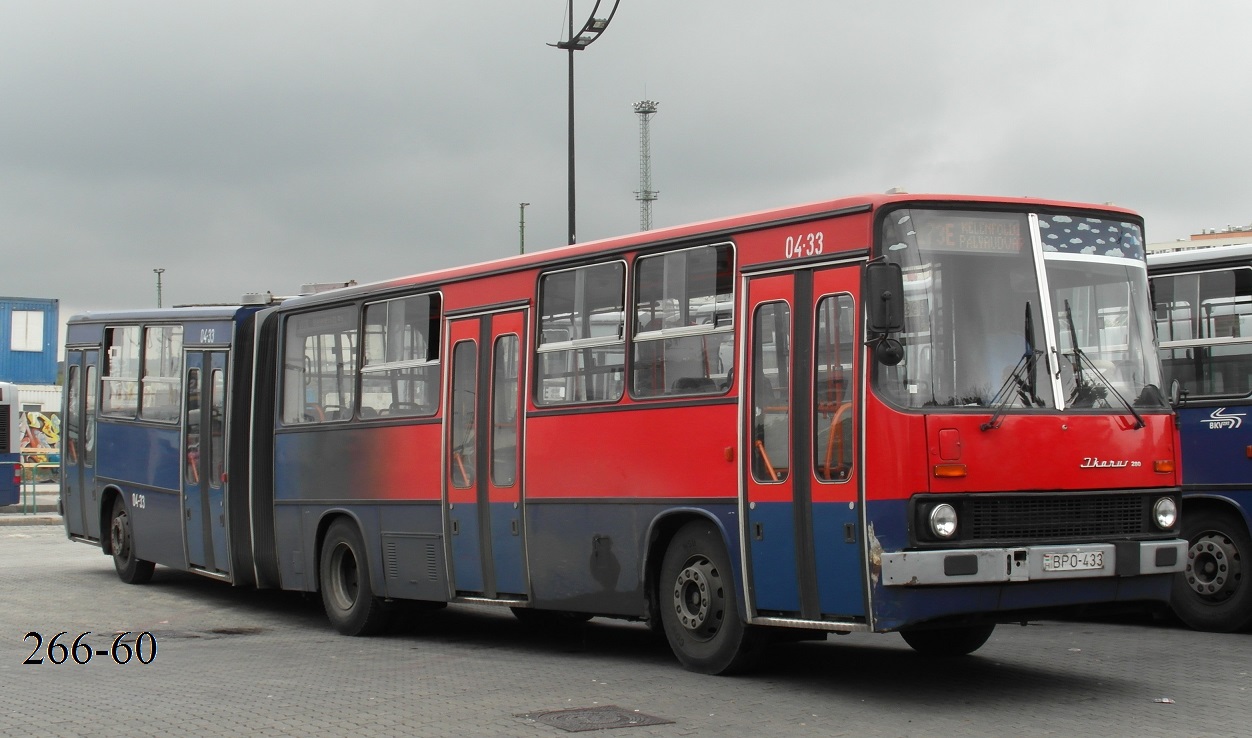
(1076, 561)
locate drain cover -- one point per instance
(582, 719)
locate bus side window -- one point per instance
(320, 366)
(582, 352)
(683, 334)
(400, 372)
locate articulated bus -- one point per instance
(923, 414)
(1203, 300)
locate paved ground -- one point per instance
(36, 505)
(235, 662)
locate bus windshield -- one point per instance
(976, 305)
(1103, 333)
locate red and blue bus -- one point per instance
(924, 414)
(1203, 301)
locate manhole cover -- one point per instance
(582, 719)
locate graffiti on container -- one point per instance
(41, 437)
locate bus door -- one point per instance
(482, 456)
(78, 452)
(802, 537)
(204, 461)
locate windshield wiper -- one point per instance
(1083, 389)
(1022, 381)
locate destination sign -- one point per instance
(988, 234)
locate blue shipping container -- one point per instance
(28, 340)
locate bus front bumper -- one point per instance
(1033, 563)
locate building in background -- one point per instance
(1205, 238)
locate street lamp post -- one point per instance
(521, 227)
(158, 272)
(591, 31)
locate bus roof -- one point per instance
(173, 314)
(717, 228)
(1199, 255)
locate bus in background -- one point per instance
(10, 445)
(923, 414)
(1203, 301)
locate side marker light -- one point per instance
(950, 471)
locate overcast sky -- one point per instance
(251, 146)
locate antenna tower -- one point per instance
(645, 194)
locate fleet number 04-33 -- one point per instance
(808, 244)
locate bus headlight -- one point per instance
(1165, 513)
(943, 521)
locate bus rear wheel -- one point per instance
(130, 568)
(699, 610)
(344, 578)
(948, 642)
(1213, 592)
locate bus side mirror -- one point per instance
(1175, 393)
(888, 351)
(884, 297)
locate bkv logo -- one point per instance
(1219, 419)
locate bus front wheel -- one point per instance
(130, 568)
(1214, 591)
(699, 610)
(344, 577)
(948, 642)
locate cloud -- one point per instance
(248, 147)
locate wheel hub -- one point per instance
(698, 599)
(118, 536)
(1213, 570)
(344, 586)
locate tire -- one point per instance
(1214, 591)
(948, 642)
(344, 578)
(699, 609)
(130, 568)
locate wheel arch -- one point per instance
(328, 519)
(1214, 502)
(661, 530)
(110, 493)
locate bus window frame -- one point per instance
(781, 395)
(638, 338)
(284, 336)
(435, 317)
(137, 413)
(107, 377)
(589, 342)
(1206, 343)
(850, 380)
(173, 383)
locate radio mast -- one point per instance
(645, 194)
